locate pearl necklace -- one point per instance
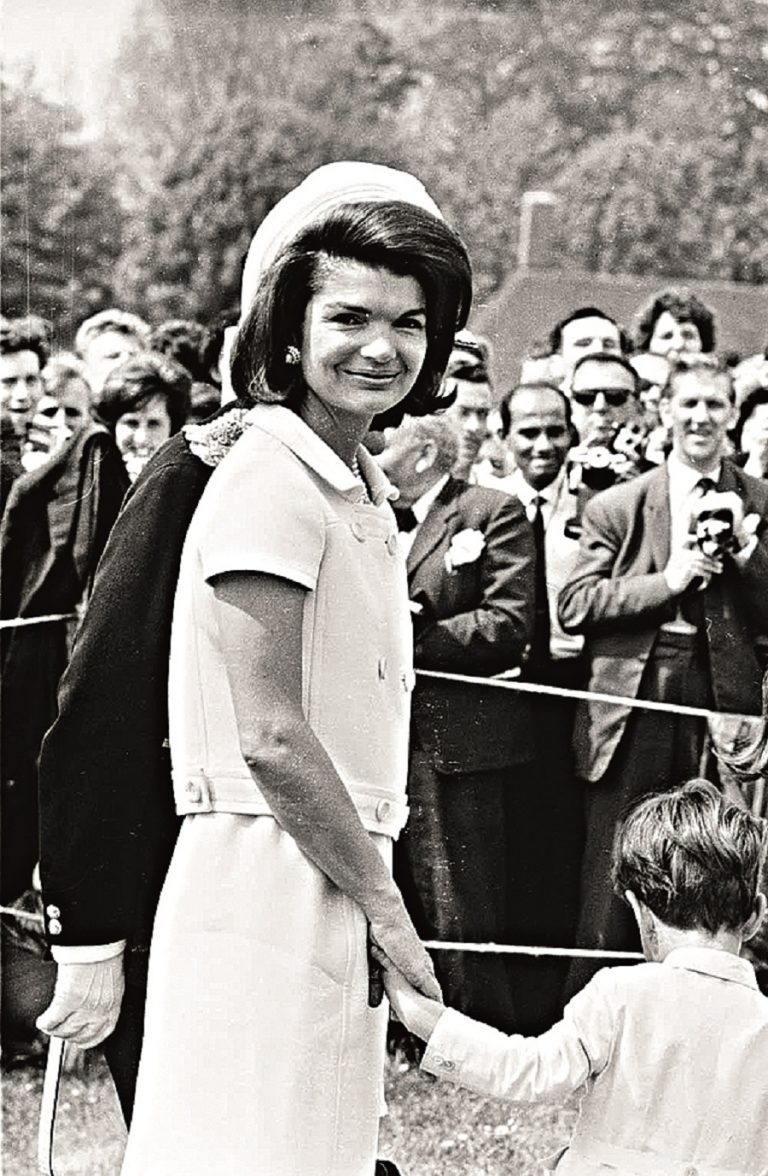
(355, 467)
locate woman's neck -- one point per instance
(341, 431)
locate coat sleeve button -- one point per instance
(383, 809)
(54, 927)
(193, 791)
(52, 912)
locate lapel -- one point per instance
(433, 530)
(656, 517)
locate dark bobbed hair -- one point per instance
(22, 335)
(608, 357)
(692, 858)
(748, 405)
(186, 341)
(505, 407)
(146, 374)
(696, 361)
(685, 308)
(556, 334)
(391, 235)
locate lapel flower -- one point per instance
(465, 548)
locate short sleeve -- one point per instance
(261, 512)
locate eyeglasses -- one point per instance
(613, 396)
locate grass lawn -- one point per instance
(432, 1129)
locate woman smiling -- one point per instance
(289, 697)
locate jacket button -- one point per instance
(54, 927)
(382, 668)
(691, 1171)
(52, 912)
(392, 544)
(383, 809)
(193, 791)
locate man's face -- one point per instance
(398, 461)
(20, 386)
(602, 400)
(469, 413)
(105, 352)
(588, 336)
(538, 438)
(699, 414)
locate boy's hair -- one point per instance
(692, 858)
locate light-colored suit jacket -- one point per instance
(670, 1059)
(618, 598)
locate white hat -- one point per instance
(346, 182)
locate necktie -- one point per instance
(405, 518)
(541, 621)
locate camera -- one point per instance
(713, 532)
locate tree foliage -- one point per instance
(649, 120)
(61, 219)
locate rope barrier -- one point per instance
(524, 949)
(585, 695)
(446, 945)
(16, 913)
(23, 622)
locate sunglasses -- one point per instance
(613, 396)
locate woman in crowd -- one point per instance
(143, 402)
(751, 432)
(289, 692)
(675, 321)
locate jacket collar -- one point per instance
(287, 427)
(710, 962)
(435, 525)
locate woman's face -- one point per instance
(365, 338)
(754, 433)
(671, 337)
(141, 431)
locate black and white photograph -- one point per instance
(384, 588)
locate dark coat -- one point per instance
(477, 621)
(108, 824)
(618, 598)
(54, 528)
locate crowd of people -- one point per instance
(247, 538)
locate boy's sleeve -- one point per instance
(265, 516)
(524, 1069)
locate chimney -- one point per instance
(538, 213)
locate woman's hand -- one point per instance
(417, 1012)
(398, 944)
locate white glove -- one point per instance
(86, 1002)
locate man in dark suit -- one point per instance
(664, 619)
(54, 528)
(470, 560)
(108, 825)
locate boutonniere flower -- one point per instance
(465, 548)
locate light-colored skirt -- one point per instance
(261, 1056)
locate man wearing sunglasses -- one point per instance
(603, 394)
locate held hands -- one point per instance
(417, 1012)
(86, 1002)
(394, 938)
(687, 565)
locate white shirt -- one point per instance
(560, 551)
(421, 509)
(683, 482)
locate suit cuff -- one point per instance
(87, 953)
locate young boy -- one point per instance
(671, 1056)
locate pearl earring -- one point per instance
(293, 355)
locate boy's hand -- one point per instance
(417, 1012)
